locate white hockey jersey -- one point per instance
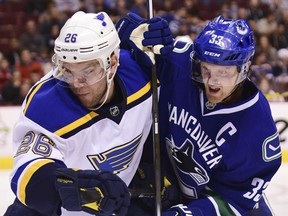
(54, 125)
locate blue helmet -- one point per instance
(224, 42)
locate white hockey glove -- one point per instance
(145, 38)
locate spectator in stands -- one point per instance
(53, 14)
(45, 60)
(11, 90)
(266, 25)
(234, 8)
(260, 68)
(281, 81)
(139, 7)
(255, 12)
(191, 7)
(68, 6)
(23, 91)
(122, 7)
(36, 6)
(243, 13)
(167, 11)
(5, 73)
(272, 96)
(284, 20)
(230, 10)
(282, 4)
(32, 39)
(13, 55)
(28, 65)
(50, 40)
(279, 39)
(99, 5)
(265, 47)
(117, 9)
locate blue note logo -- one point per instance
(101, 18)
(116, 159)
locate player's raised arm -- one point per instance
(212, 119)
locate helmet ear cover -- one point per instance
(87, 36)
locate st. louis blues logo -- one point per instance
(101, 17)
(185, 162)
(116, 159)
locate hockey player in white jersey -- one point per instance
(80, 135)
(216, 127)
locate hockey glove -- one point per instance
(95, 192)
(139, 36)
(144, 179)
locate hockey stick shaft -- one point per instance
(139, 193)
(156, 138)
(88, 195)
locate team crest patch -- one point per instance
(185, 162)
(271, 148)
(116, 159)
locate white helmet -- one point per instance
(87, 36)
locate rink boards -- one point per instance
(9, 116)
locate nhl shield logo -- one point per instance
(114, 111)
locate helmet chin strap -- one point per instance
(109, 81)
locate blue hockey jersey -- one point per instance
(225, 157)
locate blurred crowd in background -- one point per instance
(28, 29)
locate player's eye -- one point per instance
(89, 72)
(222, 73)
(67, 73)
(205, 71)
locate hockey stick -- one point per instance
(88, 195)
(156, 139)
(139, 193)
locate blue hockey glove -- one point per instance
(144, 179)
(95, 192)
(139, 35)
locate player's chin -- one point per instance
(213, 98)
(87, 103)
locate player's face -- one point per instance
(87, 80)
(219, 81)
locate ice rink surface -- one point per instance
(277, 191)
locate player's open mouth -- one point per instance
(213, 89)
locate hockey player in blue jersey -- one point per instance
(216, 127)
(80, 135)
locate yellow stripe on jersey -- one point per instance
(27, 176)
(32, 94)
(139, 93)
(76, 124)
